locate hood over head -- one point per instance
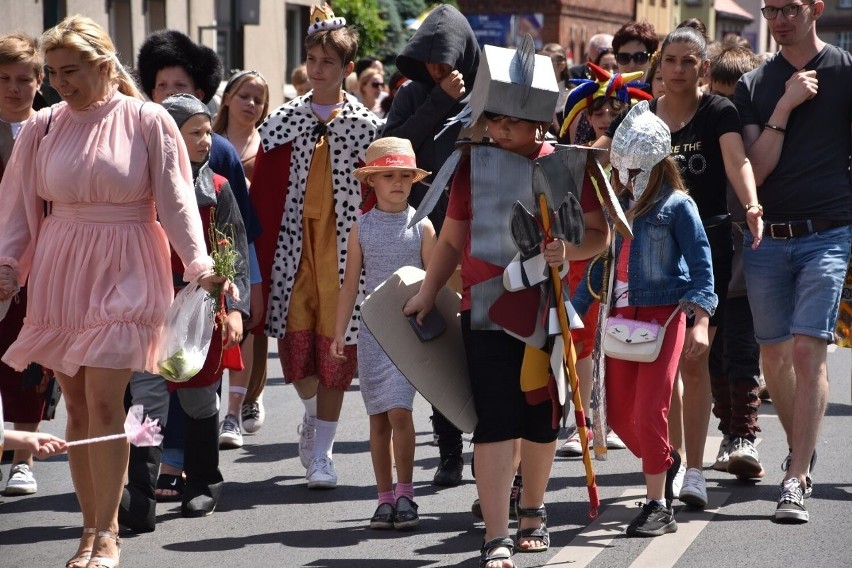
(445, 36)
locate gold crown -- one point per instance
(323, 19)
(321, 13)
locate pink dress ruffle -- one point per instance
(98, 266)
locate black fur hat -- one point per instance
(170, 48)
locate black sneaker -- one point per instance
(809, 484)
(405, 517)
(791, 503)
(654, 520)
(383, 517)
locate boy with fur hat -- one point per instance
(441, 60)
(304, 179)
(380, 243)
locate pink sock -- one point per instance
(405, 490)
(386, 497)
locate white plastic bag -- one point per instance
(186, 335)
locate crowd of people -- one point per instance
(727, 244)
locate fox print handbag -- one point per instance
(632, 340)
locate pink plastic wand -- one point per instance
(137, 431)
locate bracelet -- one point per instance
(751, 206)
(776, 128)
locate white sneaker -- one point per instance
(21, 481)
(253, 416)
(307, 431)
(321, 474)
(744, 461)
(722, 457)
(694, 489)
(677, 482)
(230, 436)
(572, 446)
(613, 441)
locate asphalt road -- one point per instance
(267, 517)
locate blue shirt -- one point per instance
(669, 259)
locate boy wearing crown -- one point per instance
(308, 200)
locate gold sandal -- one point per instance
(81, 559)
(105, 561)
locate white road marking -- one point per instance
(661, 552)
(599, 533)
(664, 551)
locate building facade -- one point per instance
(266, 35)
(570, 23)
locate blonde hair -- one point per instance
(367, 76)
(220, 125)
(94, 45)
(21, 48)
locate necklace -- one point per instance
(674, 122)
(247, 150)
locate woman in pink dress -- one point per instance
(80, 200)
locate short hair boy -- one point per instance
(303, 178)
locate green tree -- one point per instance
(366, 17)
(409, 9)
(395, 34)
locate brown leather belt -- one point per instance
(793, 229)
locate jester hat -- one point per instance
(623, 87)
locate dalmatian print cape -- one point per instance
(349, 134)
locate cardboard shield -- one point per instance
(436, 368)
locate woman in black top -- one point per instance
(708, 146)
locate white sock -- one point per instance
(236, 397)
(310, 407)
(324, 439)
(660, 501)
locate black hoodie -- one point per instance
(421, 108)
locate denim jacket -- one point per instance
(669, 259)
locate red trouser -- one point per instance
(638, 395)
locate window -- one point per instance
(53, 12)
(297, 18)
(844, 40)
(844, 3)
(121, 29)
(155, 15)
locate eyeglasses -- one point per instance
(640, 58)
(377, 85)
(789, 10)
(495, 117)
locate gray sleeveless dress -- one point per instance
(387, 246)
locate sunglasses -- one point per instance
(640, 57)
(495, 117)
(788, 10)
(377, 85)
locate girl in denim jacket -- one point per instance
(666, 264)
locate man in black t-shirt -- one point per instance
(796, 111)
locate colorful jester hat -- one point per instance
(323, 20)
(623, 87)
